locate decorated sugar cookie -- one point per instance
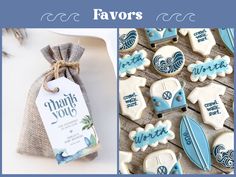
(227, 36)
(167, 94)
(162, 162)
(210, 68)
(125, 158)
(130, 63)
(128, 39)
(160, 35)
(223, 149)
(168, 60)
(151, 135)
(195, 143)
(201, 39)
(212, 108)
(132, 102)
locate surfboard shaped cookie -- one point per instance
(151, 135)
(210, 68)
(167, 95)
(130, 63)
(161, 35)
(125, 158)
(195, 143)
(223, 149)
(162, 162)
(227, 36)
(128, 39)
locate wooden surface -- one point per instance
(149, 116)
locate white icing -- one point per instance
(166, 124)
(195, 78)
(204, 47)
(159, 158)
(169, 84)
(128, 87)
(168, 52)
(141, 67)
(212, 108)
(124, 157)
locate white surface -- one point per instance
(109, 35)
(20, 71)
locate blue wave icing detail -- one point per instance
(126, 41)
(169, 65)
(226, 158)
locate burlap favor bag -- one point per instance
(64, 60)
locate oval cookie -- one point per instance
(168, 60)
(223, 149)
(128, 39)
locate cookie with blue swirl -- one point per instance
(168, 60)
(128, 39)
(223, 149)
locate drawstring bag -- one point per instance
(64, 60)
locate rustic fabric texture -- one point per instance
(33, 138)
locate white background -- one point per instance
(19, 72)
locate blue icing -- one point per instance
(154, 35)
(210, 68)
(132, 61)
(168, 65)
(226, 158)
(177, 169)
(195, 143)
(151, 136)
(179, 99)
(160, 104)
(126, 41)
(227, 35)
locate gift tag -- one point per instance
(67, 121)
